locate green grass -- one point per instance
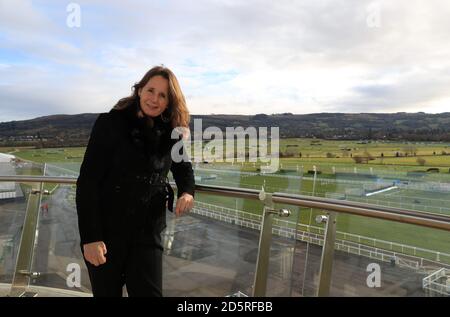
(343, 148)
(52, 155)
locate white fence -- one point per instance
(437, 283)
(404, 255)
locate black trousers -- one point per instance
(138, 266)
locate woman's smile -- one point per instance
(154, 96)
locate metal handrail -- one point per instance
(37, 179)
(421, 218)
(363, 204)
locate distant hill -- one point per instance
(48, 131)
(74, 130)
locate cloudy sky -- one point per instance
(230, 56)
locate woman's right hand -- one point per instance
(94, 252)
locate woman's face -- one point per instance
(154, 96)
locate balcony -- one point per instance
(248, 235)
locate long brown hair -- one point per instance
(176, 110)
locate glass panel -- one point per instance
(286, 252)
(69, 169)
(316, 180)
(309, 242)
(13, 204)
(212, 250)
(383, 258)
(57, 254)
(285, 256)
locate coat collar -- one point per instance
(148, 135)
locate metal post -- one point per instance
(22, 272)
(265, 239)
(326, 264)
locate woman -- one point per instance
(122, 190)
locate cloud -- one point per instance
(419, 90)
(230, 56)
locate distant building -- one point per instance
(7, 189)
(6, 158)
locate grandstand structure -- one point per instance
(8, 190)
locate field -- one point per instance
(338, 177)
(47, 155)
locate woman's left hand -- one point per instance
(184, 204)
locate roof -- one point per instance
(6, 157)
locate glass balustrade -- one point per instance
(57, 254)
(14, 199)
(386, 258)
(214, 250)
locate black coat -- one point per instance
(119, 191)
